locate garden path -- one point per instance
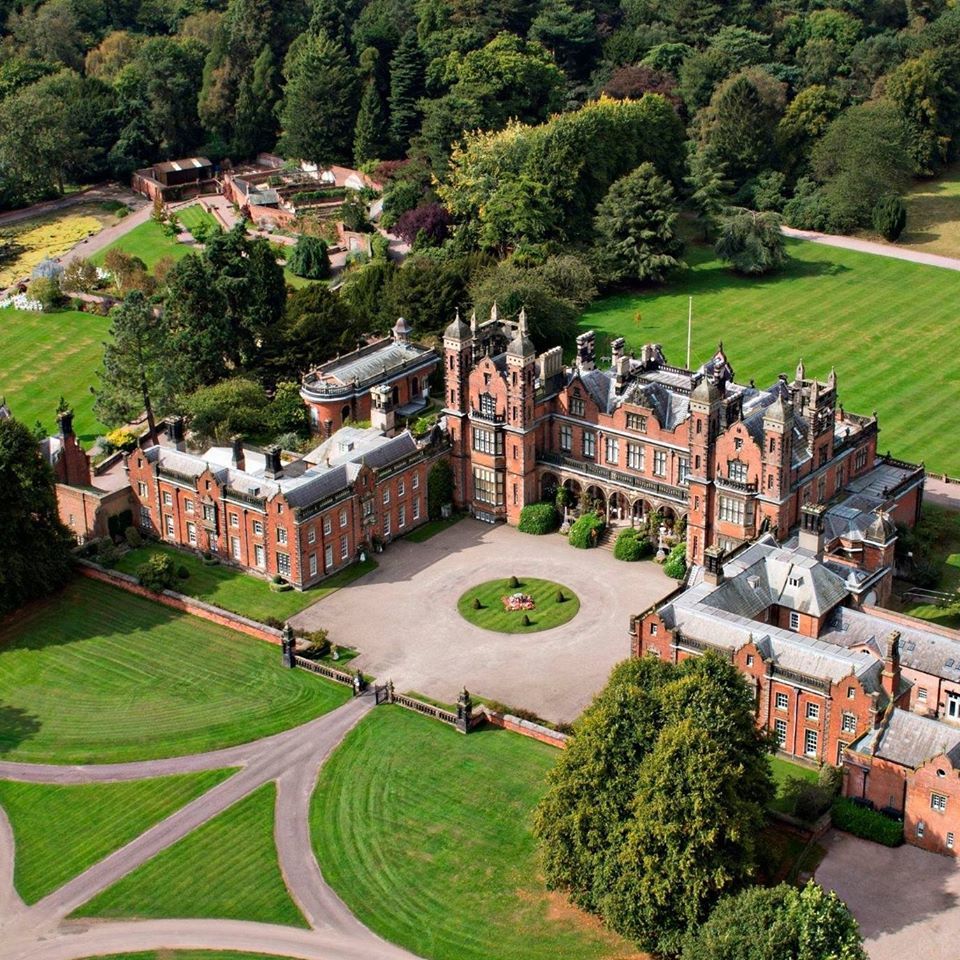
(293, 759)
(872, 246)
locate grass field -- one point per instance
(491, 615)
(784, 770)
(50, 236)
(877, 320)
(60, 831)
(226, 868)
(149, 242)
(237, 591)
(941, 529)
(426, 835)
(431, 528)
(95, 674)
(44, 356)
(933, 215)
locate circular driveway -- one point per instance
(403, 618)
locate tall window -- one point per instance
(312, 535)
(281, 535)
(235, 548)
(402, 520)
(192, 533)
(188, 506)
(737, 470)
(810, 743)
(344, 548)
(258, 528)
(813, 711)
(635, 457)
(487, 441)
(637, 421)
(283, 564)
(794, 620)
(683, 471)
(780, 728)
(589, 444)
(416, 508)
(313, 564)
(386, 524)
(487, 486)
(327, 525)
(576, 407)
(141, 488)
(488, 405)
(343, 518)
(660, 463)
(782, 701)
(731, 510)
(612, 452)
(260, 555)
(566, 437)
(938, 802)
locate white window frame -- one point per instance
(344, 547)
(781, 701)
(191, 533)
(589, 444)
(612, 450)
(260, 555)
(780, 732)
(938, 802)
(811, 743)
(311, 534)
(416, 508)
(813, 711)
(258, 528)
(794, 620)
(235, 548)
(313, 564)
(282, 536)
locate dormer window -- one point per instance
(795, 581)
(488, 405)
(738, 443)
(737, 471)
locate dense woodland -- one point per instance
(533, 153)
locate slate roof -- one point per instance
(920, 649)
(371, 362)
(910, 740)
(304, 481)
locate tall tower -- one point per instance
(777, 458)
(705, 403)
(457, 358)
(520, 439)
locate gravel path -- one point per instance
(293, 759)
(870, 246)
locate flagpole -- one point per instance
(689, 329)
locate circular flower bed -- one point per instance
(518, 605)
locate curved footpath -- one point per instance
(293, 759)
(871, 246)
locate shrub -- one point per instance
(527, 622)
(120, 439)
(274, 622)
(183, 573)
(158, 573)
(133, 537)
(586, 531)
(866, 823)
(309, 259)
(831, 779)
(890, 216)
(539, 518)
(560, 597)
(676, 563)
(477, 605)
(318, 642)
(632, 545)
(514, 583)
(47, 291)
(107, 554)
(806, 800)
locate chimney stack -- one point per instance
(175, 432)
(273, 468)
(811, 528)
(713, 565)
(890, 678)
(382, 414)
(237, 459)
(65, 423)
(586, 351)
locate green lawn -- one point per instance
(226, 868)
(240, 592)
(148, 242)
(875, 319)
(492, 615)
(783, 770)
(61, 831)
(95, 674)
(933, 215)
(425, 833)
(431, 528)
(194, 216)
(44, 356)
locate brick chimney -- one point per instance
(175, 433)
(237, 458)
(713, 565)
(65, 423)
(890, 678)
(273, 467)
(811, 528)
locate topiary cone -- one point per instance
(527, 622)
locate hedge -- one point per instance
(866, 823)
(676, 562)
(632, 545)
(539, 518)
(586, 531)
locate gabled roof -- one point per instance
(911, 740)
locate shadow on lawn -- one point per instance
(16, 726)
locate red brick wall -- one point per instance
(937, 776)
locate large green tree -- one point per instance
(750, 241)
(368, 135)
(317, 110)
(255, 127)
(406, 89)
(138, 374)
(654, 810)
(34, 545)
(636, 228)
(773, 923)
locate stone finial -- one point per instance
(801, 371)
(494, 313)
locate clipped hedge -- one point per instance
(586, 531)
(632, 545)
(866, 823)
(539, 518)
(676, 563)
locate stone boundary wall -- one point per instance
(181, 602)
(525, 728)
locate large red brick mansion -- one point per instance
(734, 460)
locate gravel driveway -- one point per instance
(403, 618)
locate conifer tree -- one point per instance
(368, 134)
(406, 88)
(256, 123)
